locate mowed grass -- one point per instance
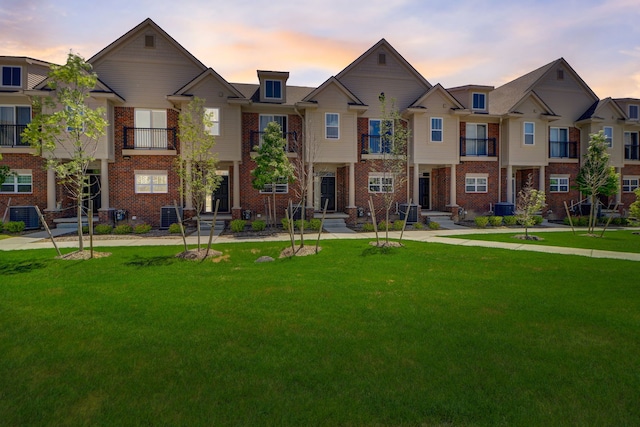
(612, 240)
(427, 334)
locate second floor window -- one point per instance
(11, 76)
(559, 142)
(332, 125)
(633, 112)
(13, 120)
(476, 140)
(436, 129)
(273, 89)
(529, 133)
(214, 117)
(479, 101)
(608, 135)
(151, 128)
(379, 143)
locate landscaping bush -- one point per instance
(299, 222)
(85, 229)
(174, 228)
(397, 225)
(383, 226)
(434, 225)
(258, 225)
(510, 220)
(481, 221)
(1, 226)
(14, 226)
(142, 229)
(537, 219)
(418, 226)
(237, 225)
(103, 229)
(495, 221)
(285, 224)
(123, 229)
(315, 224)
(367, 226)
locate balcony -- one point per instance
(11, 136)
(255, 140)
(477, 147)
(149, 138)
(563, 149)
(632, 152)
(375, 144)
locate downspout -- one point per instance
(500, 161)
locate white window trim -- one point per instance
(441, 130)
(281, 188)
(524, 133)
(608, 142)
(212, 112)
(10, 66)
(637, 109)
(326, 126)
(281, 89)
(376, 183)
(559, 185)
(151, 173)
(484, 96)
(630, 188)
(475, 184)
(16, 173)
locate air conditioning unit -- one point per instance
(168, 216)
(27, 214)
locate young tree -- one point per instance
(66, 131)
(272, 165)
(4, 172)
(634, 209)
(596, 176)
(392, 167)
(197, 163)
(529, 202)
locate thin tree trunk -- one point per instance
(184, 238)
(90, 224)
(373, 218)
(566, 208)
(79, 213)
(213, 225)
(406, 219)
(608, 221)
(324, 213)
(46, 227)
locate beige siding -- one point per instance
(424, 150)
(519, 154)
(566, 97)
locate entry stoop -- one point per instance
(336, 225)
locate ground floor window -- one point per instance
(18, 183)
(630, 184)
(559, 184)
(380, 184)
(278, 188)
(476, 183)
(152, 182)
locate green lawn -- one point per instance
(4, 236)
(428, 334)
(613, 240)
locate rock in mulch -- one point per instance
(265, 259)
(529, 237)
(304, 251)
(198, 255)
(385, 244)
(84, 255)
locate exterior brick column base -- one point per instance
(353, 216)
(454, 212)
(236, 213)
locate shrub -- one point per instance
(383, 226)
(537, 219)
(368, 226)
(237, 225)
(495, 221)
(510, 220)
(434, 225)
(397, 225)
(285, 223)
(258, 225)
(299, 222)
(418, 226)
(123, 229)
(103, 229)
(14, 226)
(174, 228)
(85, 229)
(1, 226)
(315, 224)
(481, 221)
(142, 229)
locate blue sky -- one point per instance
(452, 43)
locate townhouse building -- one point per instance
(471, 148)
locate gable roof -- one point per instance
(144, 24)
(596, 107)
(437, 88)
(252, 92)
(335, 82)
(209, 72)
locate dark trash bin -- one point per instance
(503, 209)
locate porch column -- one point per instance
(104, 184)
(352, 185)
(51, 190)
(452, 187)
(236, 184)
(509, 184)
(541, 179)
(416, 183)
(188, 202)
(619, 193)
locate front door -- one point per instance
(92, 192)
(424, 190)
(328, 192)
(222, 194)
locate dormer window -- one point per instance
(633, 112)
(11, 76)
(479, 101)
(273, 89)
(150, 41)
(382, 59)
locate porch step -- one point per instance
(73, 222)
(206, 225)
(336, 225)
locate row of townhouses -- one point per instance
(471, 147)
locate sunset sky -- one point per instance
(449, 42)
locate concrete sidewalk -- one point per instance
(35, 241)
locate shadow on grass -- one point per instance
(379, 250)
(152, 261)
(22, 267)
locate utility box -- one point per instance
(409, 213)
(503, 209)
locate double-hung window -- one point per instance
(436, 129)
(479, 101)
(559, 142)
(476, 183)
(476, 140)
(633, 112)
(213, 118)
(265, 119)
(151, 182)
(559, 184)
(17, 183)
(13, 120)
(332, 125)
(280, 187)
(273, 89)
(529, 133)
(608, 135)
(11, 76)
(151, 128)
(630, 184)
(380, 183)
(380, 136)
(631, 147)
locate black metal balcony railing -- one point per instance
(255, 140)
(149, 138)
(11, 136)
(563, 149)
(478, 147)
(375, 144)
(632, 152)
